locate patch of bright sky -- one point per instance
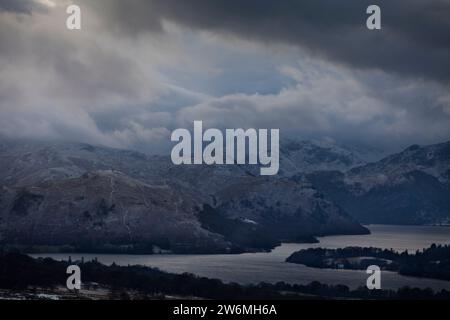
(224, 65)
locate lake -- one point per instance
(270, 267)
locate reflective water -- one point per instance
(270, 267)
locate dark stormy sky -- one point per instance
(139, 69)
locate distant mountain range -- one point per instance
(73, 196)
(410, 187)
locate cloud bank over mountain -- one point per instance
(139, 69)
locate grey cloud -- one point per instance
(331, 103)
(113, 83)
(414, 40)
(20, 6)
(60, 85)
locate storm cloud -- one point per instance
(415, 37)
(139, 69)
(22, 6)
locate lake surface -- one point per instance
(270, 267)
